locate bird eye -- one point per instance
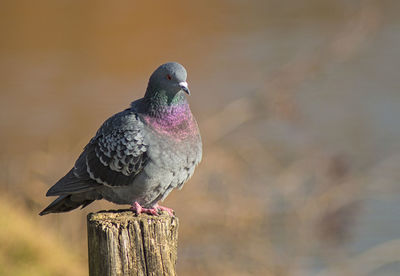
(169, 77)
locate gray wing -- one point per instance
(117, 153)
(114, 157)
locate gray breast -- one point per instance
(170, 164)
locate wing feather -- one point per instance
(117, 153)
(113, 157)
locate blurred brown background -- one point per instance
(298, 104)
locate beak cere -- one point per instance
(184, 87)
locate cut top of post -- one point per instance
(124, 217)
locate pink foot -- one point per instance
(139, 209)
(151, 211)
(136, 207)
(168, 210)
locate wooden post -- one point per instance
(121, 243)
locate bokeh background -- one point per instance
(298, 103)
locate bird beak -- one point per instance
(184, 87)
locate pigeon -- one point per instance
(138, 156)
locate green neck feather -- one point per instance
(160, 102)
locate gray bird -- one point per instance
(138, 156)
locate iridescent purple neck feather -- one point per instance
(174, 120)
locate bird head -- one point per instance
(168, 79)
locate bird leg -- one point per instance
(139, 209)
(151, 211)
(136, 207)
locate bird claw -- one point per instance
(166, 209)
(151, 211)
(139, 209)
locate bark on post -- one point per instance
(121, 243)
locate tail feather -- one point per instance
(70, 184)
(67, 203)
